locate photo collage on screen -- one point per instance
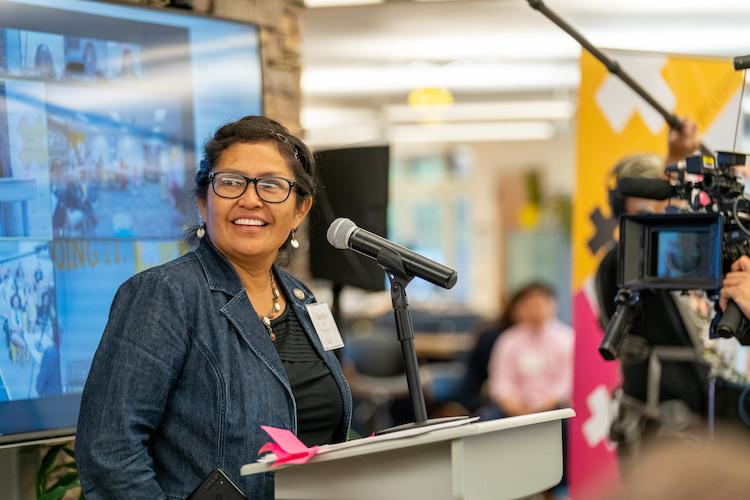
(96, 160)
(29, 328)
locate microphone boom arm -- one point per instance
(613, 67)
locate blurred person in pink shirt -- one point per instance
(531, 366)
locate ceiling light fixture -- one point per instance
(549, 109)
(463, 76)
(339, 3)
(472, 132)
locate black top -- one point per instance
(318, 398)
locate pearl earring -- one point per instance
(294, 242)
(201, 231)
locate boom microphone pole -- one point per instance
(613, 67)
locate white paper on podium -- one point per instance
(414, 431)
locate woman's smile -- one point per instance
(249, 225)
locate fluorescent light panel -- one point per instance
(339, 3)
(683, 7)
(477, 111)
(472, 132)
(343, 136)
(462, 76)
(335, 117)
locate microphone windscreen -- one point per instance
(339, 232)
(640, 187)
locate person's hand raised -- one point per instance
(684, 142)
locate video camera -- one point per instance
(690, 247)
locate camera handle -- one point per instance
(730, 321)
(619, 326)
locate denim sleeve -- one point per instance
(138, 361)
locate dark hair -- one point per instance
(507, 318)
(253, 129)
(43, 61)
(644, 165)
(532, 287)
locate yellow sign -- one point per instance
(614, 122)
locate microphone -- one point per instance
(343, 234)
(640, 187)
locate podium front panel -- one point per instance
(420, 472)
(508, 464)
(506, 458)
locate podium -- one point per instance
(505, 458)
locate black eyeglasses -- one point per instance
(269, 189)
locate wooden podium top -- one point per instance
(388, 442)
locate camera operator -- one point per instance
(683, 143)
(650, 166)
(665, 318)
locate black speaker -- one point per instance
(354, 184)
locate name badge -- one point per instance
(325, 326)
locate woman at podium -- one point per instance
(200, 352)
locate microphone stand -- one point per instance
(613, 67)
(393, 266)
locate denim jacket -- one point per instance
(183, 378)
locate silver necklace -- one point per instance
(274, 310)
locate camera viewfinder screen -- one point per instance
(683, 254)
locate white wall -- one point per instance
(555, 159)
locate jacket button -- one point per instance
(299, 293)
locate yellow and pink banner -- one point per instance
(613, 122)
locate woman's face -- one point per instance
(247, 229)
(536, 308)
